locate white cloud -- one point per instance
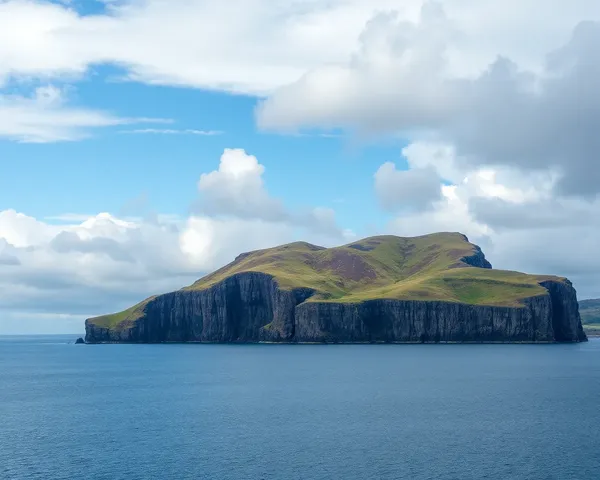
(69, 217)
(105, 264)
(438, 155)
(413, 189)
(415, 66)
(513, 216)
(21, 231)
(507, 134)
(171, 131)
(46, 117)
(393, 76)
(101, 263)
(87, 266)
(254, 46)
(402, 80)
(208, 241)
(237, 189)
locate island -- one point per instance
(436, 288)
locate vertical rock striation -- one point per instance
(566, 321)
(250, 307)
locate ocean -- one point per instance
(287, 412)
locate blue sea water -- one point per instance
(298, 411)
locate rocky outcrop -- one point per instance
(250, 307)
(477, 259)
(566, 321)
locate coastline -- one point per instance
(342, 343)
(592, 333)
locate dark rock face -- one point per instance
(566, 321)
(477, 259)
(249, 307)
(79, 341)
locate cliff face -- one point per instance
(249, 307)
(477, 259)
(566, 321)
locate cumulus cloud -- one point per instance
(104, 263)
(46, 116)
(19, 230)
(416, 67)
(77, 267)
(414, 189)
(500, 117)
(513, 216)
(555, 213)
(101, 263)
(258, 45)
(7, 259)
(209, 45)
(394, 76)
(401, 81)
(237, 189)
(7, 256)
(67, 242)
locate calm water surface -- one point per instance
(298, 412)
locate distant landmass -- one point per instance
(590, 316)
(590, 311)
(428, 289)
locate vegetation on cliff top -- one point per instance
(430, 267)
(122, 319)
(436, 267)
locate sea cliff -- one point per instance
(251, 307)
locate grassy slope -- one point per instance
(124, 318)
(590, 312)
(419, 268)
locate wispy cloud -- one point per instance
(68, 217)
(171, 131)
(290, 133)
(321, 135)
(79, 218)
(45, 116)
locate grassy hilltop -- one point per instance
(436, 267)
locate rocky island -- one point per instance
(430, 289)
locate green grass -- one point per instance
(476, 286)
(122, 319)
(429, 267)
(339, 270)
(590, 311)
(419, 268)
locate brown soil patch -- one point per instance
(348, 266)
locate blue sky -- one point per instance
(145, 143)
(112, 168)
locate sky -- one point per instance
(145, 143)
